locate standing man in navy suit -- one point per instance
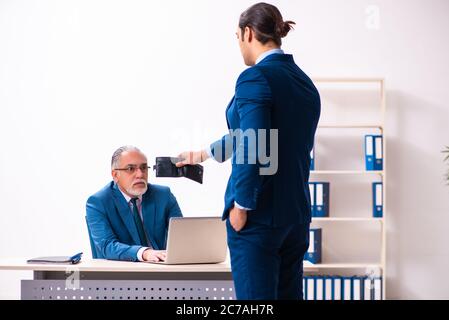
(267, 204)
(128, 219)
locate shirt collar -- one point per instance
(128, 198)
(267, 53)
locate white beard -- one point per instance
(136, 193)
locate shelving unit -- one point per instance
(382, 175)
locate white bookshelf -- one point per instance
(330, 221)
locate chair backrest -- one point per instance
(92, 244)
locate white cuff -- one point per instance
(240, 207)
(140, 253)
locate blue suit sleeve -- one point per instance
(254, 101)
(103, 236)
(222, 149)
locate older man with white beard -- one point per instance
(128, 218)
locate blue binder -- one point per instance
(377, 189)
(368, 286)
(337, 288)
(373, 152)
(312, 198)
(328, 288)
(378, 153)
(310, 288)
(313, 254)
(357, 288)
(312, 159)
(346, 288)
(304, 287)
(322, 199)
(319, 285)
(319, 199)
(378, 284)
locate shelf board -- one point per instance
(328, 79)
(348, 219)
(350, 126)
(362, 172)
(310, 266)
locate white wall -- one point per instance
(78, 79)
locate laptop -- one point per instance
(196, 240)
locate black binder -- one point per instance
(165, 167)
(58, 259)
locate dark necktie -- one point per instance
(139, 225)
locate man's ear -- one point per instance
(241, 35)
(249, 34)
(114, 174)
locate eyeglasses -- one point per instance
(132, 168)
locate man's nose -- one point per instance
(140, 173)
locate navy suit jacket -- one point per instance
(112, 230)
(273, 94)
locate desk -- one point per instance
(98, 279)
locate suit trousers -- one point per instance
(267, 261)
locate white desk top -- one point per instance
(101, 265)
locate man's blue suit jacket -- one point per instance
(273, 94)
(112, 230)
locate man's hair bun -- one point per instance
(284, 28)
